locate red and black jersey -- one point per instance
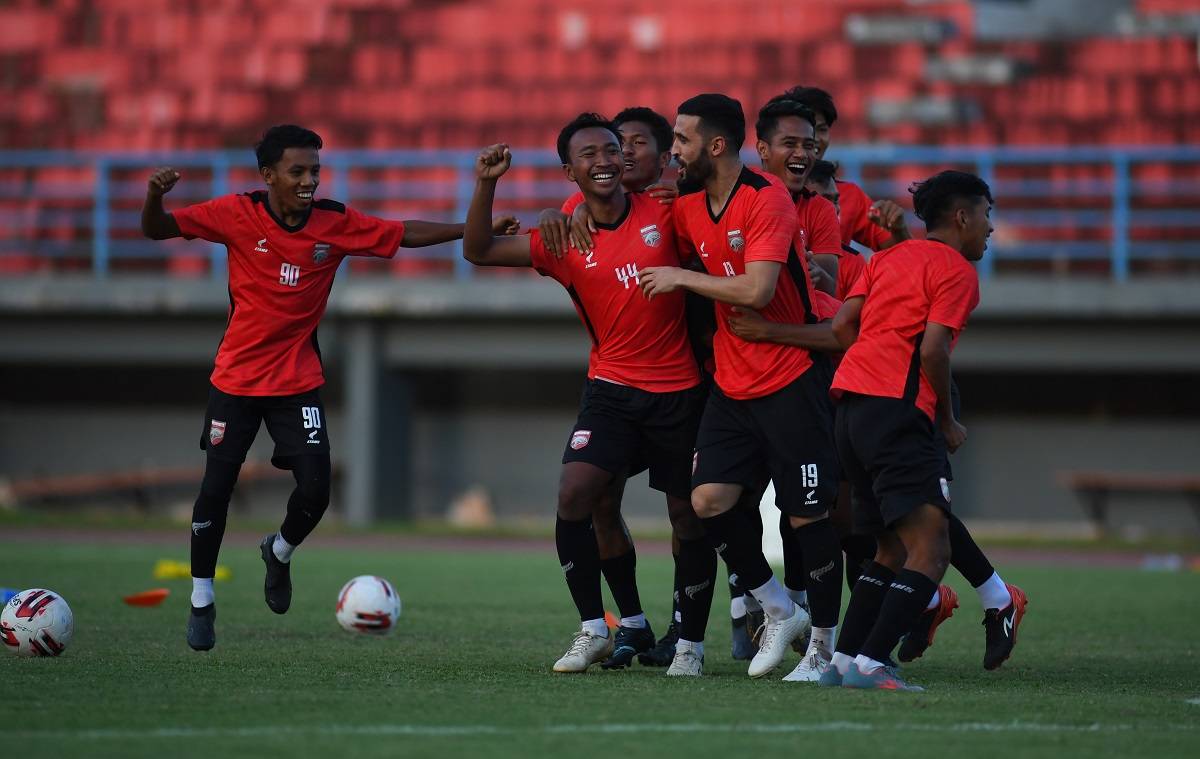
(637, 342)
(820, 231)
(856, 224)
(758, 223)
(850, 268)
(279, 282)
(906, 286)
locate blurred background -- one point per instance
(451, 391)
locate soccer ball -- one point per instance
(368, 604)
(36, 622)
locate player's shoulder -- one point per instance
(848, 189)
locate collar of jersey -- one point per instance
(261, 197)
(716, 218)
(620, 219)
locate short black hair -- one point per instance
(815, 98)
(718, 113)
(822, 171)
(580, 122)
(778, 108)
(281, 137)
(934, 198)
(660, 128)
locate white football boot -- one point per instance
(812, 666)
(687, 663)
(776, 638)
(586, 649)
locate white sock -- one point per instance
(678, 618)
(774, 599)
(752, 604)
(696, 647)
(933, 602)
(595, 627)
(824, 637)
(737, 607)
(282, 549)
(799, 596)
(842, 662)
(993, 593)
(867, 665)
(202, 591)
(637, 621)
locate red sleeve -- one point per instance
(824, 230)
(210, 220)
(570, 204)
(861, 286)
(825, 306)
(856, 205)
(770, 226)
(850, 268)
(954, 293)
(363, 235)
(544, 262)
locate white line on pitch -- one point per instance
(450, 731)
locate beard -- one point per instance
(695, 174)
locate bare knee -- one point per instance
(714, 499)
(889, 550)
(685, 525)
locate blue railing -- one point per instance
(1114, 216)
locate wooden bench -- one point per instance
(1094, 490)
(137, 484)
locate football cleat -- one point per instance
(1000, 628)
(201, 635)
(664, 650)
(811, 667)
(277, 586)
(743, 647)
(776, 637)
(585, 650)
(687, 663)
(920, 637)
(883, 678)
(630, 641)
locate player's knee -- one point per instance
(889, 551)
(313, 482)
(685, 525)
(577, 501)
(217, 486)
(712, 500)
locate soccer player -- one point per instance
(822, 181)
(641, 404)
(766, 410)
(899, 326)
(284, 248)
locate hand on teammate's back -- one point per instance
(493, 161)
(162, 180)
(749, 325)
(955, 435)
(582, 227)
(664, 192)
(660, 280)
(552, 224)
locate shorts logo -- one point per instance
(945, 488)
(736, 241)
(198, 526)
(580, 439)
(820, 572)
(651, 236)
(568, 567)
(320, 252)
(216, 432)
(692, 590)
(809, 500)
(695, 462)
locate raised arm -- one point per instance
(419, 234)
(935, 365)
(157, 224)
(754, 289)
(480, 247)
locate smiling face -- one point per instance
(597, 165)
(821, 133)
(828, 190)
(293, 180)
(790, 152)
(644, 159)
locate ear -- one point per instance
(763, 149)
(962, 218)
(268, 173)
(569, 172)
(717, 146)
(664, 160)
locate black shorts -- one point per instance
(625, 431)
(789, 433)
(892, 457)
(295, 422)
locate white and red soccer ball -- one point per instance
(36, 622)
(368, 604)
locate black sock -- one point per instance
(580, 561)
(697, 581)
(966, 556)
(675, 589)
(621, 574)
(735, 588)
(863, 609)
(733, 536)
(209, 514)
(793, 556)
(907, 597)
(860, 552)
(309, 500)
(823, 569)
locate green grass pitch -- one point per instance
(1106, 666)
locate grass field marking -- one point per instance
(456, 731)
(1194, 701)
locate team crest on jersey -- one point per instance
(736, 241)
(216, 432)
(580, 439)
(651, 236)
(320, 252)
